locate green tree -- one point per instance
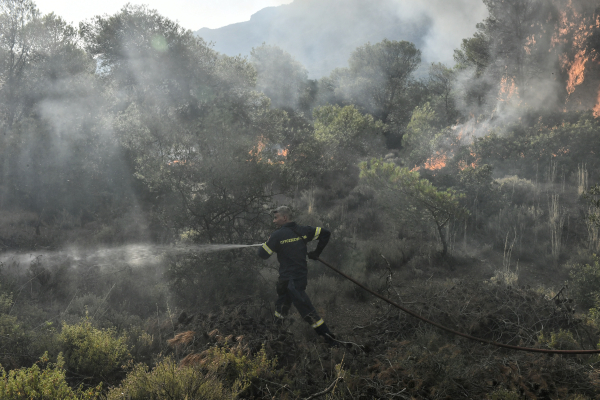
(282, 78)
(202, 140)
(441, 84)
(379, 76)
(441, 206)
(330, 152)
(593, 198)
(423, 134)
(17, 50)
(474, 57)
(345, 135)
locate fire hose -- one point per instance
(412, 313)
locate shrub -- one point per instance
(217, 373)
(98, 354)
(46, 383)
(561, 340)
(14, 339)
(586, 281)
(504, 394)
(236, 368)
(168, 381)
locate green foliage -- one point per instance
(441, 83)
(283, 79)
(14, 338)
(236, 368)
(585, 280)
(561, 340)
(474, 52)
(169, 381)
(442, 206)
(200, 138)
(525, 149)
(593, 198)
(379, 78)
(343, 135)
(504, 394)
(222, 373)
(423, 134)
(42, 381)
(94, 353)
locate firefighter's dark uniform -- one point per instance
(289, 242)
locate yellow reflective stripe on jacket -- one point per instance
(278, 315)
(318, 323)
(317, 233)
(267, 249)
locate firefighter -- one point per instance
(289, 242)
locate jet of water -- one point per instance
(133, 254)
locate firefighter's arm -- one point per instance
(268, 248)
(322, 235)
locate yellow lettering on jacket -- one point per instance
(291, 240)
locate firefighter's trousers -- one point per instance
(292, 292)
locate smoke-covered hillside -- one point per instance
(322, 34)
(140, 167)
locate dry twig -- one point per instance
(328, 390)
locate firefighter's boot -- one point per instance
(323, 330)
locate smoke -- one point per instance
(449, 21)
(543, 67)
(323, 34)
(134, 255)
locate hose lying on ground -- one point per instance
(506, 346)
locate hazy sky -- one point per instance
(191, 14)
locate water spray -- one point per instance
(133, 254)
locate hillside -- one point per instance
(322, 34)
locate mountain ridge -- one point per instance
(321, 34)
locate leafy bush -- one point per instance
(217, 373)
(586, 281)
(46, 383)
(14, 338)
(236, 368)
(98, 354)
(168, 381)
(561, 340)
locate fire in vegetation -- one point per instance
(508, 89)
(576, 71)
(437, 161)
(597, 107)
(573, 32)
(261, 146)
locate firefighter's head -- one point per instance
(282, 215)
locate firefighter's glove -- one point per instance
(313, 255)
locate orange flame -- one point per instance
(177, 162)
(282, 152)
(437, 161)
(530, 42)
(597, 108)
(508, 89)
(577, 71)
(462, 164)
(579, 28)
(561, 152)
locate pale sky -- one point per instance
(191, 14)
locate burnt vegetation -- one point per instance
(467, 193)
